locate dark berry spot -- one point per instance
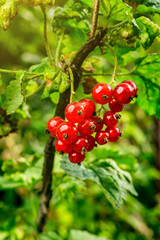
(65, 136)
(136, 95)
(61, 152)
(94, 114)
(83, 150)
(79, 112)
(93, 127)
(118, 116)
(96, 145)
(130, 98)
(105, 139)
(99, 121)
(79, 164)
(47, 131)
(121, 133)
(104, 97)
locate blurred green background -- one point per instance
(76, 206)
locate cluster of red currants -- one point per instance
(74, 136)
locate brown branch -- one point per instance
(95, 18)
(46, 195)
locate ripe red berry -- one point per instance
(91, 143)
(114, 133)
(63, 147)
(86, 127)
(123, 93)
(52, 125)
(98, 122)
(115, 106)
(80, 145)
(102, 137)
(102, 93)
(75, 157)
(75, 112)
(133, 85)
(110, 119)
(89, 107)
(67, 132)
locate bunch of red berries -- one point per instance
(75, 135)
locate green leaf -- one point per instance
(9, 9)
(148, 31)
(114, 182)
(116, 9)
(79, 235)
(148, 83)
(13, 96)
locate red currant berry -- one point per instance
(123, 93)
(133, 85)
(102, 137)
(80, 145)
(115, 106)
(114, 133)
(89, 107)
(75, 157)
(67, 132)
(98, 122)
(110, 119)
(102, 93)
(86, 127)
(52, 125)
(63, 147)
(75, 112)
(91, 143)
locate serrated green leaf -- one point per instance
(79, 235)
(116, 10)
(13, 96)
(148, 31)
(114, 182)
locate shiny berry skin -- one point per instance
(86, 127)
(52, 125)
(67, 132)
(110, 119)
(75, 157)
(123, 93)
(102, 93)
(133, 85)
(114, 133)
(80, 145)
(115, 106)
(63, 147)
(89, 107)
(75, 112)
(102, 137)
(91, 143)
(98, 122)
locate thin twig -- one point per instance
(95, 18)
(48, 50)
(114, 75)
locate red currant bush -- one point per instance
(86, 127)
(123, 93)
(89, 107)
(52, 125)
(80, 145)
(102, 93)
(75, 112)
(67, 132)
(102, 137)
(110, 119)
(114, 133)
